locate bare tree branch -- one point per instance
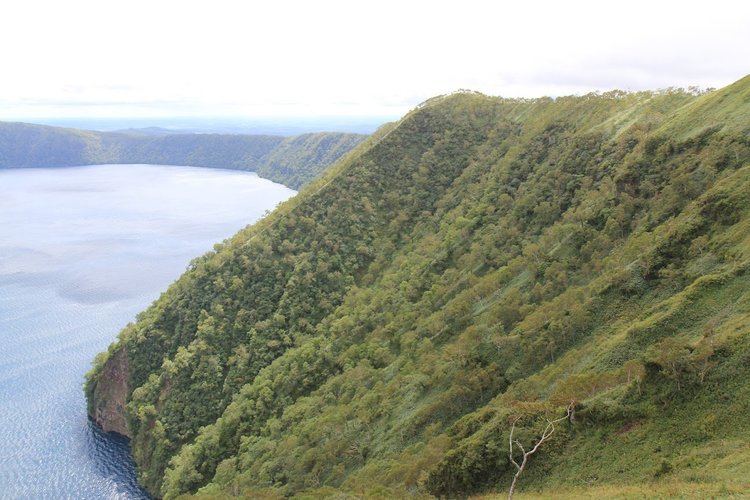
(510, 443)
(546, 434)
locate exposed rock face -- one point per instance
(111, 393)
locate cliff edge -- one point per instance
(109, 394)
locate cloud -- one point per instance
(342, 57)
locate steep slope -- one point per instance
(481, 261)
(300, 159)
(291, 160)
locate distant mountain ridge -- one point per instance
(281, 125)
(292, 161)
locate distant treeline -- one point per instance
(292, 161)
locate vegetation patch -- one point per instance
(412, 322)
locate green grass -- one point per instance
(481, 260)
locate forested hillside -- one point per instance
(480, 266)
(289, 160)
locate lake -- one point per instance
(82, 251)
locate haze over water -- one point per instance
(82, 251)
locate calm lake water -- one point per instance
(82, 251)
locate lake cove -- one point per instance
(83, 250)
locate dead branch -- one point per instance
(548, 431)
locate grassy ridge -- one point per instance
(481, 261)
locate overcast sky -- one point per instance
(78, 58)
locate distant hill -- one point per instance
(292, 161)
(477, 268)
(151, 131)
(284, 126)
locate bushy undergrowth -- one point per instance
(484, 259)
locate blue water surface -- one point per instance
(82, 251)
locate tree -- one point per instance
(702, 353)
(635, 372)
(673, 356)
(546, 434)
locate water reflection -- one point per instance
(110, 453)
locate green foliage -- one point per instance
(481, 260)
(293, 161)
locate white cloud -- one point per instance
(98, 58)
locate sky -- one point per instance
(80, 58)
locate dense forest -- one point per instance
(483, 266)
(292, 161)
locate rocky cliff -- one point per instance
(107, 407)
